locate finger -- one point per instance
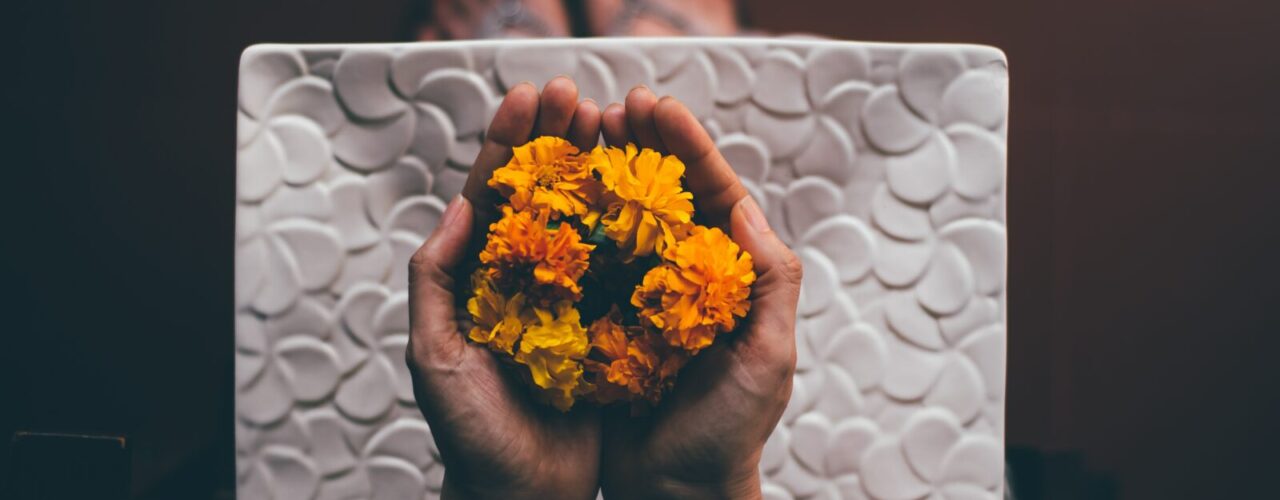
(434, 338)
(584, 131)
(511, 126)
(776, 292)
(639, 104)
(559, 99)
(708, 176)
(613, 122)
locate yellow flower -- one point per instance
(498, 319)
(547, 173)
(553, 347)
(699, 291)
(648, 210)
(520, 240)
(637, 364)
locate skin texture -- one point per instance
(704, 440)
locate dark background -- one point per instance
(1143, 218)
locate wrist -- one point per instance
(460, 488)
(737, 483)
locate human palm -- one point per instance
(705, 438)
(494, 439)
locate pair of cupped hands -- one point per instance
(704, 439)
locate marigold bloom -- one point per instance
(553, 347)
(499, 320)
(699, 292)
(638, 362)
(520, 240)
(547, 174)
(648, 210)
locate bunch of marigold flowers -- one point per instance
(596, 281)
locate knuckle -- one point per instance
(423, 266)
(792, 270)
(420, 260)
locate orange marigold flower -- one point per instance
(547, 173)
(520, 240)
(499, 320)
(699, 292)
(637, 364)
(648, 210)
(553, 347)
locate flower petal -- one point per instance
(861, 352)
(328, 443)
(311, 97)
(850, 439)
(911, 371)
(262, 71)
(785, 135)
(979, 96)
(349, 217)
(927, 437)
(949, 282)
(986, 348)
(413, 63)
(912, 323)
(923, 175)
(293, 475)
(259, 167)
(281, 282)
(747, 155)
(407, 439)
(831, 65)
(975, 460)
(830, 154)
(810, 200)
(433, 135)
(984, 247)
(462, 94)
(394, 479)
(315, 249)
(373, 145)
(780, 85)
(517, 63)
(736, 77)
(309, 365)
(694, 83)
(370, 392)
(959, 389)
(899, 219)
(887, 476)
(923, 74)
(889, 125)
(360, 79)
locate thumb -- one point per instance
(771, 324)
(433, 325)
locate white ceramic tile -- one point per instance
(882, 164)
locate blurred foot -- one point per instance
(475, 19)
(662, 17)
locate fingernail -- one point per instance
(755, 217)
(452, 211)
(526, 82)
(638, 87)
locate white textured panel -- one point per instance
(883, 165)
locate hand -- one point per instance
(494, 439)
(706, 437)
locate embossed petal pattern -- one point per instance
(882, 165)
